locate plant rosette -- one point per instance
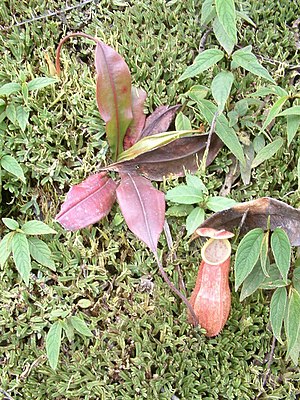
(211, 297)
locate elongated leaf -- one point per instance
(227, 17)
(41, 253)
(113, 95)
(11, 165)
(277, 311)
(11, 113)
(290, 111)
(293, 320)
(225, 133)
(21, 256)
(221, 87)
(9, 88)
(80, 326)
(247, 60)
(219, 203)
(159, 121)
(53, 343)
(143, 208)
(173, 159)
(222, 36)
(252, 282)
(272, 89)
(40, 83)
(247, 255)
(87, 202)
(10, 223)
(264, 252)
(185, 194)
(37, 228)
(274, 110)
(22, 117)
(182, 122)
(245, 17)
(194, 219)
(293, 124)
(194, 181)
(153, 142)
(202, 62)
(136, 126)
(5, 248)
(208, 12)
(267, 152)
(281, 249)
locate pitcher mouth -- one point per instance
(216, 251)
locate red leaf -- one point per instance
(113, 93)
(160, 120)
(143, 208)
(133, 133)
(87, 202)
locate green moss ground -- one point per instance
(143, 347)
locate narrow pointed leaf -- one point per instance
(22, 117)
(227, 17)
(274, 111)
(5, 248)
(40, 82)
(136, 126)
(21, 256)
(281, 249)
(184, 194)
(87, 202)
(194, 219)
(11, 165)
(143, 208)
(53, 343)
(293, 320)
(202, 62)
(10, 223)
(9, 88)
(208, 12)
(264, 251)
(293, 124)
(252, 282)
(221, 87)
(267, 152)
(159, 121)
(41, 253)
(290, 111)
(113, 93)
(80, 326)
(277, 311)
(222, 36)
(37, 228)
(219, 203)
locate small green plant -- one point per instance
(195, 192)
(23, 245)
(259, 265)
(64, 323)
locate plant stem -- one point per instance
(211, 131)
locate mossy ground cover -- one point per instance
(143, 347)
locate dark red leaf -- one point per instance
(143, 208)
(134, 130)
(172, 159)
(257, 213)
(87, 202)
(160, 120)
(113, 93)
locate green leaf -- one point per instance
(293, 320)
(198, 92)
(293, 123)
(245, 17)
(277, 311)
(5, 247)
(247, 60)
(194, 181)
(37, 228)
(68, 328)
(41, 253)
(182, 123)
(53, 343)
(266, 91)
(222, 36)
(21, 256)
(264, 251)
(227, 17)
(153, 142)
(247, 255)
(9, 88)
(179, 210)
(11, 113)
(10, 223)
(208, 12)
(80, 326)
(281, 249)
(221, 87)
(219, 203)
(11, 165)
(290, 111)
(41, 82)
(22, 117)
(253, 281)
(185, 194)
(202, 62)
(225, 133)
(194, 220)
(274, 111)
(267, 152)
